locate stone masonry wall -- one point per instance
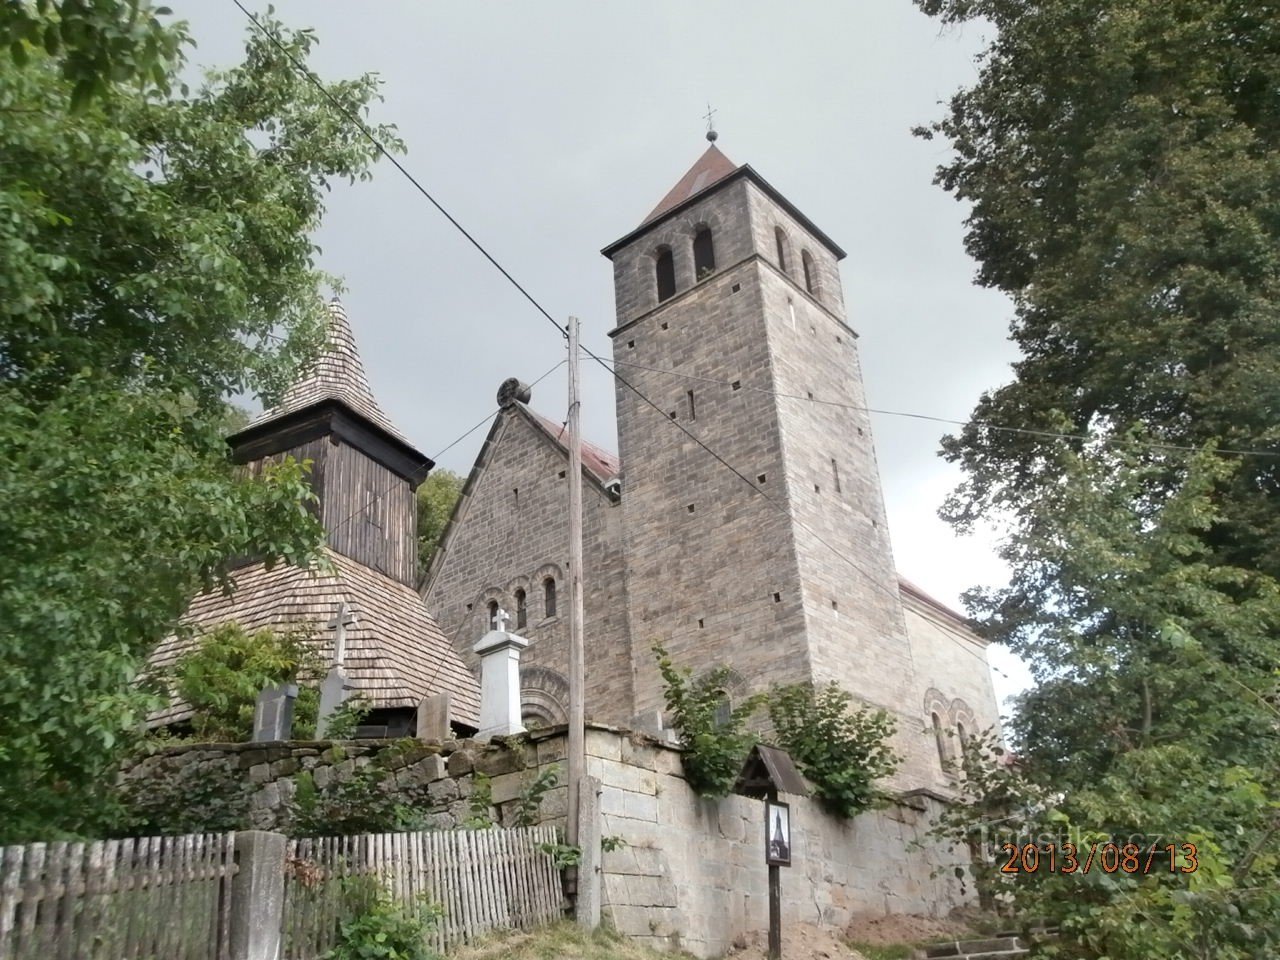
(438, 775)
(690, 873)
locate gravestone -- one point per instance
(273, 714)
(433, 718)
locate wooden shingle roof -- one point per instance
(395, 655)
(336, 374)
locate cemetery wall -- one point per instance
(688, 873)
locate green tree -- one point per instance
(436, 499)
(1121, 161)
(154, 258)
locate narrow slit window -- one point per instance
(835, 473)
(704, 253)
(693, 415)
(781, 239)
(493, 614)
(522, 610)
(549, 597)
(665, 270)
(810, 272)
(940, 741)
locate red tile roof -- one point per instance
(712, 167)
(602, 464)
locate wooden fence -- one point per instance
(177, 898)
(478, 880)
(156, 897)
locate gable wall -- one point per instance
(502, 540)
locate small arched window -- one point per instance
(940, 740)
(810, 272)
(522, 610)
(493, 614)
(665, 271)
(781, 239)
(549, 597)
(704, 253)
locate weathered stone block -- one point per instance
(460, 763)
(260, 773)
(499, 760)
(442, 791)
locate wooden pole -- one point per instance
(775, 894)
(775, 913)
(577, 670)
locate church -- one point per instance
(741, 523)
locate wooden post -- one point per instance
(775, 887)
(577, 759)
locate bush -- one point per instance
(715, 739)
(222, 677)
(379, 928)
(841, 750)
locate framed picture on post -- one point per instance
(777, 833)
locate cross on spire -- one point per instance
(711, 130)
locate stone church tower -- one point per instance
(727, 284)
(743, 522)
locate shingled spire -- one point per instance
(336, 374)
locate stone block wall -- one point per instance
(437, 777)
(691, 873)
(688, 873)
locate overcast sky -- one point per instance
(550, 129)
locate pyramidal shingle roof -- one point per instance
(336, 374)
(712, 167)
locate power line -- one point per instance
(985, 424)
(368, 134)
(395, 483)
(779, 505)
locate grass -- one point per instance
(562, 941)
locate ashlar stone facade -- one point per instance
(771, 556)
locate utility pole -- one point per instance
(577, 668)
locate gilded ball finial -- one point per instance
(712, 135)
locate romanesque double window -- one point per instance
(664, 264)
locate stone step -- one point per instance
(1009, 947)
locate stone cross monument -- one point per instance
(334, 690)
(499, 654)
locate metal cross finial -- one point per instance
(711, 131)
(500, 620)
(342, 619)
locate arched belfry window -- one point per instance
(522, 610)
(781, 238)
(810, 272)
(704, 253)
(940, 740)
(493, 614)
(549, 597)
(665, 271)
